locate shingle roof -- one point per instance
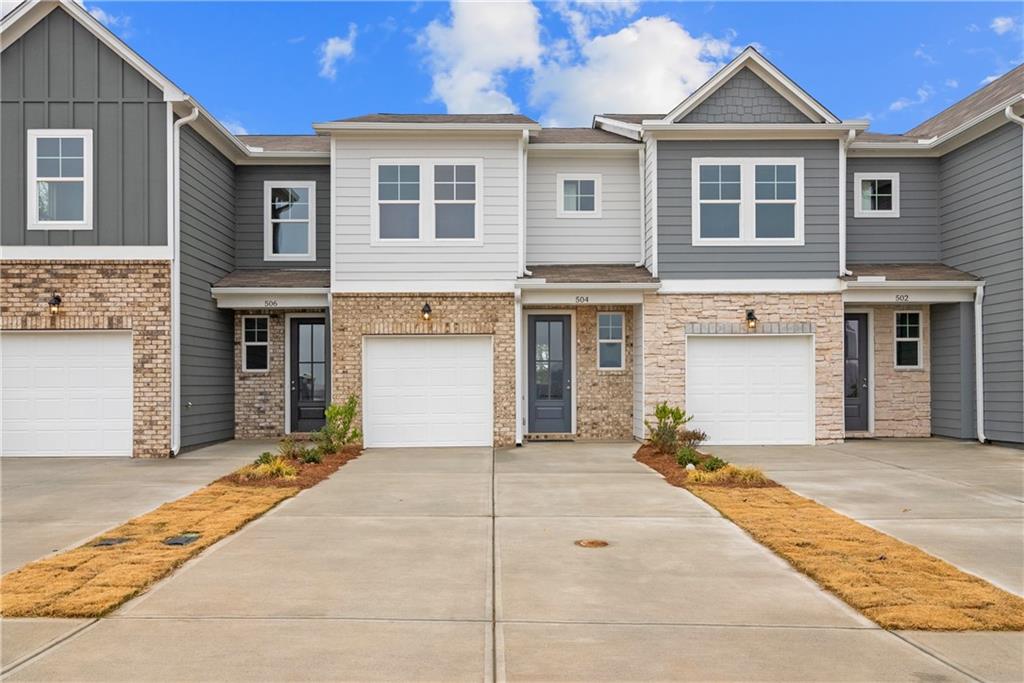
(276, 277)
(993, 94)
(592, 274)
(289, 143)
(565, 136)
(886, 137)
(908, 271)
(439, 118)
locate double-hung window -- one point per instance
(435, 201)
(59, 179)
(289, 220)
(255, 343)
(876, 195)
(610, 341)
(578, 195)
(747, 201)
(908, 340)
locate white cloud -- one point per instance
(922, 54)
(334, 49)
(584, 17)
(952, 83)
(989, 79)
(973, 28)
(234, 126)
(120, 23)
(648, 66)
(469, 56)
(922, 95)
(1003, 25)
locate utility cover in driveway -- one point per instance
(428, 391)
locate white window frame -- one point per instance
(919, 339)
(560, 210)
(860, 212)
(748, 203)
(32, 207)
(268, 221)
(247, 344)
(426, 202)
(621, 341)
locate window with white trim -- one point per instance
(908, 340)
(747, 201)
(426, 200)
(876, 195)
(255, 343)
(578, 195)
(610, 341)
(59, 179)
(289, 220)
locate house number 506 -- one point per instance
(270, 303)
(902, 298)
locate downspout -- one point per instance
(843, 146)
(523, 142)
(979, 364)
(176, 285)
(643, 208)
(519, 365)
(1020, 122)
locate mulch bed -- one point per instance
(666, 466)
(309, 474)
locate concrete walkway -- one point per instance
(460, 565)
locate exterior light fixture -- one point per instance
(54, 303)
(751, 319)
(425, 311)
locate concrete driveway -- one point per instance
(460, 565)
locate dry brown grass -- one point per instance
(730, 475)
(90, 581)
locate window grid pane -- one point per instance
(579, 195)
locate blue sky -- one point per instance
(272, 67)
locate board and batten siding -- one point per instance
(981, 232)
(818, 257)
(59, 75)
(612, 238)
(952, 370)
(357, 261)
(207, 255)
(249, 209)
(911, 238)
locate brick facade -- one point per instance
(259, 396)
(105, 295)
(355, 315)
(668, 316)
(903, 404)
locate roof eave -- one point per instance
(379, 126)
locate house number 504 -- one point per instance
(583, 299)
(902, 298)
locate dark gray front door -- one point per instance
(856, 385)
(308, 374)
(550, 374)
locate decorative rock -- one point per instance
(690, 467)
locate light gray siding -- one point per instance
(612, 238)
(818, 257)
(250, 210)
(745, 98)
(58, 75)
(982, 218)
(650, 200)
(207, 254)
(911, 238)
(952, 370)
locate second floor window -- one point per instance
(579, 195)
(429, 200)
(289, 226)
(876, 195)
(747, 201)
(454, 201)
(59, 179)
(398, 196)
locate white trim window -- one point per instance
(611, 341)
(289, 220)
(876, 195)
(255, 343)
(426, 201)
(578, 195)
(907, 343)
(59, 179)
(747, 201)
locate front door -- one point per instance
(856, 373)
(308, 374)
(550, 370)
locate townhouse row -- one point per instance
(786, 276)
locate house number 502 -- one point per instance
(902, 298)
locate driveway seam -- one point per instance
(17, 664)
(936, 657)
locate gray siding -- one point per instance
(249, 210)
(911, 238)
(981, 219)
(58, 75)
(745, 98)
(952, 370)
(207, 254)
(817, 258)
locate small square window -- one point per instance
(876, 195)
(610, 341)
(255, 344)
(578, 196)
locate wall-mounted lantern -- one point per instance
(751, 319)
(54, 303)
(425, 311)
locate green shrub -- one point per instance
(312, 455)
(338, 431)
(276, 467)
(266, 457)
(664, 432)
(290, 448)
(687, 456)
(712, 463)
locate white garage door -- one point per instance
(427, 391)
(66, 393)
(751, 390)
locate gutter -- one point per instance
(843, 146)
(176, 285)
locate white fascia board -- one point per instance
(374, 126)
(271, 297)
(610, 147)
(541, 283)
(605, 296)
(750, 131)
(910, 292)
(423, 286)
(752, 286)
(630, 130)
(86, 253)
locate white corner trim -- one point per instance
(86, 253)
(859, 211)
(268, 231)
(560, 211)
(333, 256)
(32, 176)
(752, 286)
(653, 180)
(979, 362)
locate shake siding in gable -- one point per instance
(612, 238)
(818, 257)
(59, 75)
(357, 261)
(745, 98)
(982, 217)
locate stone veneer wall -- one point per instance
(259, 396)
(356, 315)
(105, 295)
(903, 398)
(667, 317)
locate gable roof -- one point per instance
(288, 143)
(996, 93)
(577, 136)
